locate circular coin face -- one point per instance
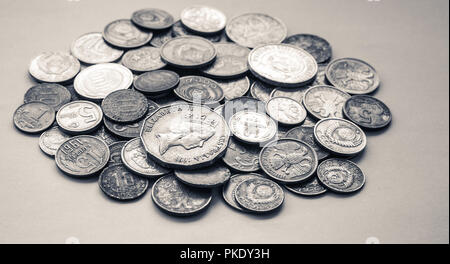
(197, 89)
(367, 111)
(318, 47)
(283, 65)
(340, 175)
(143, 59)
(251, 127)
(124, 34)
(203, 19)
(286, 111)
(296, 93)
(34, 117)
(188, 52)
(156, 82)
(261, 91)
(90, 48)
(353, 76)
(242, 157)
(309, 188)
(79, 117)
(115, 150)
(54, 67)
(234, 88)
(152, 18)
(52, 94)
(259, 195)
(125, 106)
(119, 183)
(50, 140)
(229, 189)
(325, 101)
(306, 134)
(340, 136)
(231, 61)
(209, 177)
(161, 37)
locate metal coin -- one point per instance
(161, 37)
(242, 157)
(309, 121)
(340, 175)
(259, 195)
(119, 183)
(318, 47)
(124, 34)
(169, 100)
(179, 30)
(54, 67)
(143, 59)
(188, 52)
(33, 117)
(125, 106)
(252, 127)
(325, 101)
(79, 117)
(286, 111)
(367, 111)
(82, 156)
(353, 76)
(179, 199)
(234, 88)
(209, 177)
(115, 150)
(261, 91)
(197, 89)
(73, 93)
(320, 77)
(229, 188)
(156, 82)
(52, 94)
(152, 18)
(104, 135)
(203, 19)
(296, 93)
(219, 109)
(309, 188)
(340, 136)
(254, 29)
(231, 61)
(50, 140)
(306, 134)
(90, 48)
(244, 103)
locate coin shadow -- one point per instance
(90, 179)
(344, 195)
(377, 131)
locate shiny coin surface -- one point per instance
(340, 136)
(259, 195)
(54, 67)
(231, 61)
(234, 88)
(198, 89)
(50, 140)
(288, 160)
(161, 37)
(340, 175)
(242, 157)
(296, 93)
(52, 94)
(115, 150)
(119, 183)
(325, 101)
(123, 33)
(252, 127)
(152, 18)
(209, 177)
(309, 188)
(179, 30)
(82, 156)
(318, 47)
(229, 188)
(34, 117)
(261, 91)
(203, 19)
(286, 111)
(243, 103)
(306, 134)
(188, 52)
(156, 82)
(367, 111)
(91, 48)
(105, 135)
(353, 76)
(125, 106)
(177, 198)
(143, 59)
(283, 65)
(254, 29)
(79, 117)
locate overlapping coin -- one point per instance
(79, 117)
(252, 127)
(286, 111)
(259, 195)
(367, 112)
(341, 175)
(199, 90)
(325, 101)
(203, 19)
(143, 59)
(123, 33)
(188, 52)
(52, 94)
(91, 48)
(208, 177)
(51, 139)
(54, 67)
(152, 18)
(33, 117)
(119, 183)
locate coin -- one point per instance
(156, 82)
(188, 52)
(254, 29)
(143, 59)
(259, 195)
(325, 101)
(229, 188)
(118, 183)
(367, 112)
(82, 156)
(97, 81)
(203, 19)
(353, 76)
(309, 188)
(243, 103)
(33, 117)
(288, 160)
(242, 157)
(161, 37)
(79, 117)
(252, 127)
(197, 89)
(234, 88)
(104, 135)
(286, 111)
(296, 93)
(340, 136)
(115, 149)
(306, 134)
(90, 48)
(54, 67)
(318, 47)
(125, 106)
(179, 199)
(261, 91)
(73, 94)
(209, 177)
(51, 139)
(185, 136)
(340, 175)
(231, 61)
(152, 18)
(219, 109)
(124, 34)
(135, 158)
(179, 30)
(320, 77)
(309, 121)
(52, 94)
(282, 65)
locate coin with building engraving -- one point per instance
(340, 175)
(33, 117)
(156, 82)
(234, 88)
(367, 112)
(242, 157)
(91, 48)
(230, 187)
(79, 117)
(51, 139)
(188, 52)
(259, 195)
(198, 89)
(115, 150)
(252, 127)
(125, 106)
(295, 93)
(203, 19)
(143, 59)
(231, 61)
(119, 183)
(261, 91)
(54, 67)
(318, 47)
(308, 188)
(305, 133)
(124, 34)
(286, 111)
(325, 101)
(208, 177)
(152, 18)
(52, 94)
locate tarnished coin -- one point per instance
(229, 188)
(143, 59)
(177, 198)
(161, 37)
(82, 156)
(52, 94)
(340, 136)
(242, 157)
(185, 136)
(261, 91)
(156, 82)
(135, 158)
(50, 140)
(97, 81)
(179, 30)
(252, 127)
(91, 48)
(152, 18)
(259, 195)
(125, 106)
(104, 135)
(115, 149)
(282, 65)
(170, 99)
(54, 67)
(353, 76)
(33, 117)
(296, 93)
(234, 88)
(243, 103)
(286, 111)
(318, 47)
(119, 183)
(79, 117)
(254, 29)
(306, 134)
(188, 52)
(340, 175)
(198, 89)
(203, 19)
(367, 111)
(124, 34)
(231, 61)
(209, 177)
(288, 160)
(308, 188)
(325, 101)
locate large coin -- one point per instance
(252, 127)
(203, 19)
(296, 93)
(309, 188)
(306, 134)
(115, 150)
(286, 111)
(254, 29)
(125, 106)
(234, 88)
(242, 157)
(318, 47)
(52, 94)
(50, 140)
(209, 177)
(231, 61)
(283, 65)
(259, 195)
(261, 91)
(124, 34)
(33, 117)
(197, 89)
(152, 18)
(325, 101)
(143, 59)
(90, 48)
(229, 188)
(244, 103)
(179, 30)
(79, 117)
(367, 111)
(340, 175)
(161, 37)
(119, 183)
(188, 52)
(54, 67)
(156, 82)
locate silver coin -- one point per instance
(325, 101)
(51, 139)
(229, 189)
(286, 111)
(203, 19)
(156, 82)
(367, 112)
(123, 33)
(252, 127)
(208, 177)
(179, 30)
(242, 157)
(115, 150)
(161, 37)
(318, 47)
(125, 106)
(52, 94)
(306, 134)
(320, 77)
(243, 103)
(296, 93)
(231, 61)
(309, 121)
(340, 175)
(198, 89)
(188, 52)
(261, 91)
(219, 109)
(54, 67)
(119, 183)
(33, 117)
(259, 195)
(152, 18)
(91, 48)
(143, 59)
(309, 188)
(79, 117)
(234, 88)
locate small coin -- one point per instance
(161, 37)
(340, 136)
(52, 94)
(286, 111)
(252, 127)
(306, 134)
(152, 18)
(242, 157)
(318, 47)
(91, 48)
(367, 112)
(79, 117)
(353, 76)
(325, 101)
(198, 89)
(309, 188)
(229, 188)
(143, 59)
(243, 103)
(82, 156)
(115, 150)
(203, 19)
(340, 175)
(179, 199)
(188, 52)
(178, 30)
(125, 106)
(50, 140)
(119, 183)
(54, 67)
(234, 88)
(261, 91)
(34, 117)
(231, 61)
(123, 33)
(259, 195)
(296, 93)
(104, 135)
(209, 177)
(156, 82)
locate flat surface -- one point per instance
(405, 200)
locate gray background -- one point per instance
(406, 199)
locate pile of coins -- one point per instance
(187, 106)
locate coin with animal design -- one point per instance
(79, 117)
(33, 117)
(119, 183)
(259, 195)
(341, 175)
(367, 112)
(325, 101)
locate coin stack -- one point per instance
(183, 107)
